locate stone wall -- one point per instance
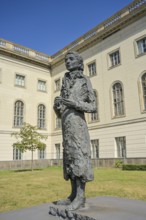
(39, 164)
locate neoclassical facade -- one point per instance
(114, 54)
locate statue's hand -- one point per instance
(69, 103)
(58, 102)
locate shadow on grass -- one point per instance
(27, 170)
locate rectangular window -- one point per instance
(42, 85)
(41, 154)
(114, 58)
(120, 147)
(0, 75)
(57, 85)
(95, 148)
(94, 116)
(20, 80)
(17, 154)
(57, 146)
(58, 122)
(92, 69)
(144, 90)
(141, 46)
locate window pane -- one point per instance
(41, 85)
(18, 113)
(41, 116)
(118, 101)
(17, 154)
(121, 147)
(20, 80)
(57, 146)
(58, 122)
(41, 154)
(95, 148)
(115, 58)
(141, 46)
(144, 90)
(57, 85)
(92, 69)
(94, 116)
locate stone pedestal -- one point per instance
(99, 208)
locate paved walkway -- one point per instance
(100, 208)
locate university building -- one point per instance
(114, 54)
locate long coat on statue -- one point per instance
(76, 141)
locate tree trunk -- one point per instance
(32, 160)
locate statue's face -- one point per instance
(71, 62)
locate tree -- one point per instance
(29, 139)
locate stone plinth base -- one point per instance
(99, 208)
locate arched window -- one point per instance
(143, 80)
(94, 116)
(18, 113)
(118, 101)
(41, 116)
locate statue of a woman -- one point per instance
(76, 98)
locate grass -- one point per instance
(26, 188)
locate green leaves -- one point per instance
(29, 139)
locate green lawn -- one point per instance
(27, 188)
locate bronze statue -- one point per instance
(76, 98)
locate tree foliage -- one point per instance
(29, 139)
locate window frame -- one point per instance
(0, 75)
(43, 119)
(137, 54)
(17, 154)
(57, 122)
(114, 115)
(110, 65)
(41, 90)
(96, 113)
(55, 87)
(122, 150)
(42, 154)
(21, 75)
(18, 117)
(95, 151)
(89, 64)
(141, 94)
(58, 156)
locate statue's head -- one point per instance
(74, 61)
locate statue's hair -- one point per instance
(78, 57)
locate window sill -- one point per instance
(143, 112)
(56, 129)
(23, 87)
(41, 91)
(92, 75)
(120, 116)
(94, 121)
(140, 55)
(112, 67)
(42, 129)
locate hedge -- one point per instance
(134, 167)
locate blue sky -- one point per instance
(49, 25)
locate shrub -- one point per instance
(118, 163)
(134, 167)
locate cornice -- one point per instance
(119, 123)
(123, 18)
(23, 53)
